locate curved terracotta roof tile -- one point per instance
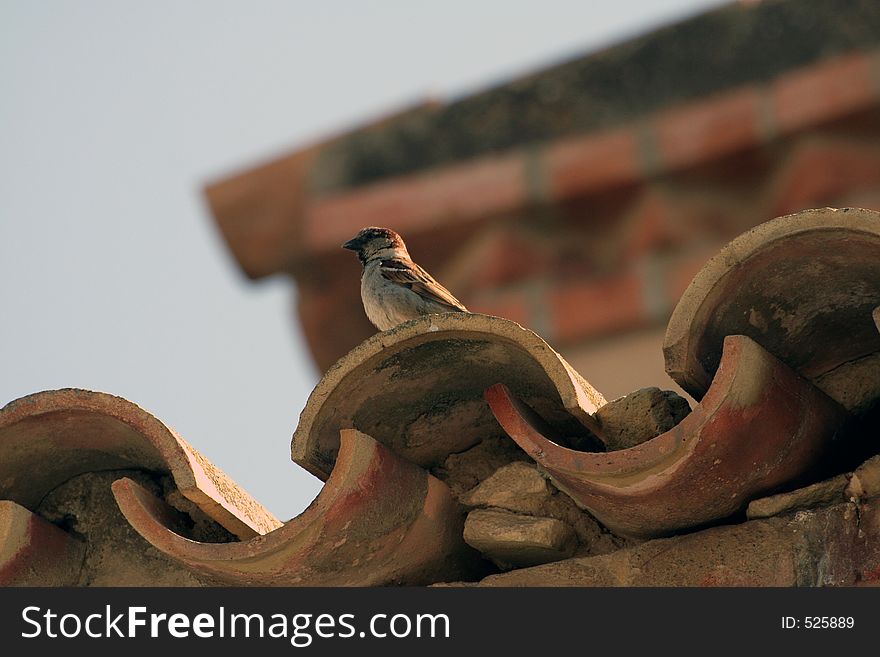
(34, 552)
(378, 520)
(803, 286)
(759, 426)
(49, 437)
(418, 389)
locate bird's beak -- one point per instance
(352, 244)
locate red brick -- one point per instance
(820, 172)
(511, 305)
(710, 129)
(587, 309)
(682, 270)
(257, 212)
(823, 92)
(510, 258)
(496, 257)
(701, 216)
(649, 227)
(466, 192)
(332, 318)
(580, 165)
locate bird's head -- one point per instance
(372, 242)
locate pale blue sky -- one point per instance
(113, 116)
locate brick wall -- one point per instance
(592, 268)
(588, 238)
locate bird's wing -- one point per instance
(410, 275)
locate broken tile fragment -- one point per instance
(639, 416)
(774, 284)
(417, 389)
(49, 437)
(759, 427)
(409, 522)
(818, 494)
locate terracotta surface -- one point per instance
(49, 437)
(253, 212)
(583, 216)
(418, 389)
(378, 520)
(34, 552)
(803, 286)
(759, 426)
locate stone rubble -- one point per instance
(511, 540)
(532, 516)
(865, 481)
(823, 493)
(639, 416)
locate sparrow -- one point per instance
(394, 289)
